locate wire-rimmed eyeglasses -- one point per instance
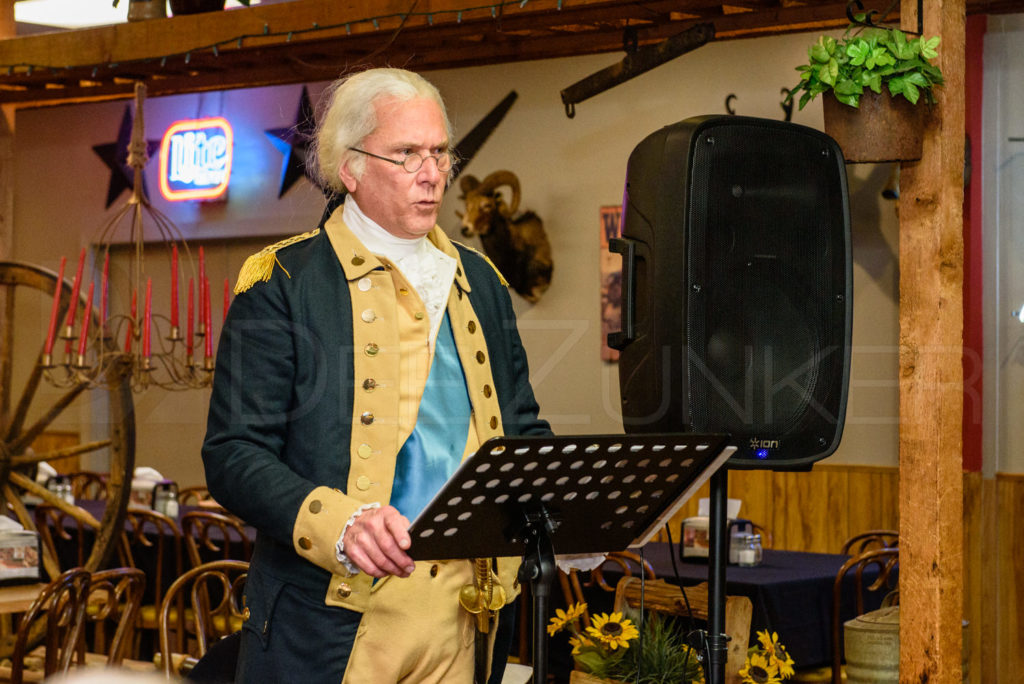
(414, 161)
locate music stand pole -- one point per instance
(718, 641)
(538, 568)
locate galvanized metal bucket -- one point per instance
(872, 643)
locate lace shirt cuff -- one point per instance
(339, 548)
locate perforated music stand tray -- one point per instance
(600, 492)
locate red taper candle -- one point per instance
(52, 330)
(209, 325)
(148, 316)
(83, 340)
(202, 286)
(191, 318)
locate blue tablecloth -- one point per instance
(791, 592)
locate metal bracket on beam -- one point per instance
(869, 16)
(635, 63)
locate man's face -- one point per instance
(404, 204)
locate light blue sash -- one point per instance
(434, 449)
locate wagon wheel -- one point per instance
(26, 416)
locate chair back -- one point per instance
(57, 615)
(662, 597)
(872, 539)
(152, 542)
(212, 594)
(861, 569)
(214, 536)
(195, 495)
(574, 582)
(59, 529)
(87, 484)
(115, 598)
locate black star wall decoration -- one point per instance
(293, 142)
(115, 156)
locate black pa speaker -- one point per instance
(737, 305)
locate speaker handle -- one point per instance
(627, 248)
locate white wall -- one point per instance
(568, 169)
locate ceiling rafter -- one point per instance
(312, 40)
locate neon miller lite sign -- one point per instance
(195, 159)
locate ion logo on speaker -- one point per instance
(737, 275)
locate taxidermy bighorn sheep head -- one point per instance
(517, 245)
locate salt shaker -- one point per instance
(750, 552)
(165, 498)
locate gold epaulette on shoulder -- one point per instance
(487, 259)
(259, 267)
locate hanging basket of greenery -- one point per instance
(877, 86)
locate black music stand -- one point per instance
(528, 496)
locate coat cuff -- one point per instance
(321, 518)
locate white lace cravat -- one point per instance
(429, 270)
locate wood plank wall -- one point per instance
(818, 510)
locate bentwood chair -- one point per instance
(151, 542)
(212, 595)
(574, 583)
(875, 571)
(212, 536)
(115, 599)
(58, 615)
(872, 539)
(87, 484)
(197, 495)
(58, 529)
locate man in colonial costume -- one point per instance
(359, 364)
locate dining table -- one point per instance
(791, 593)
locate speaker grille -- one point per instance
(763, 278)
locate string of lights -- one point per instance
(239, 41)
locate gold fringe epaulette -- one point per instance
(504, 282)
(259, 267)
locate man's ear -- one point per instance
(350, 181)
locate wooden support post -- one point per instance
(931, 373)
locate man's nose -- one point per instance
(429, 168)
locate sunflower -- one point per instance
(759, 670)
(769, 642)
(776, 653)
(564, 617)
(578, 643)
(613, 631)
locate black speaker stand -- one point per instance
(718, 640)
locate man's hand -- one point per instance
(377, 540)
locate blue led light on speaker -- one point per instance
(761, 453)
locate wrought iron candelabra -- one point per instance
(153, 350)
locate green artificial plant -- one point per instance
(869, 57)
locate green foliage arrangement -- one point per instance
(869, 58)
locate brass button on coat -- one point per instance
(369, 384)
(403, 291)
(364, 451)
(362, 483)
(494, 423)
(488, 391)
(358, 260)
(305, 543)
(471, 326)
(371, 349)
(418, 315)
(315, 506)
(480, 357)
(433, 570)
(344, 590)
(366, 418)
